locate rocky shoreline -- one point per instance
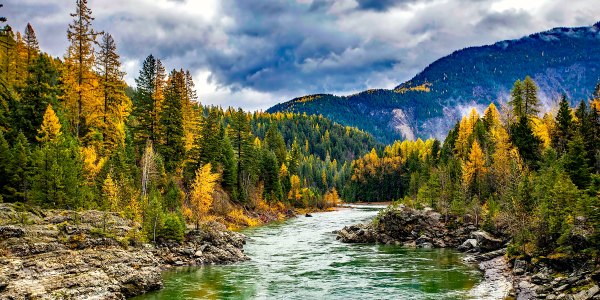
(503, 279)
(59, 254)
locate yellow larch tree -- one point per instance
(201, 196)
(295, 193)
(92, 163)
(491, 117)
(474, 169)
(82, 97)
(50, 129)
(110, 193)
(507, 163)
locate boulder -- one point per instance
(467, 245)
(587, 294)
(485, 241)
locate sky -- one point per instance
(257, 53)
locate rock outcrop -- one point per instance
(420, 228)
(518, 279)
(57, 254)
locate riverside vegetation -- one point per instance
(151, 170)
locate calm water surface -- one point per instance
(300, 259)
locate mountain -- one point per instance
(561, 60)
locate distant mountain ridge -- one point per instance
(560, 60)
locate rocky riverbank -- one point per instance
(514, 279)
(58, 254)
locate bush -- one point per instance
(173, 228)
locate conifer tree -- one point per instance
(110, 194)
(270, 177)
(274, 142)
(31, 44)
(240, 134)
(564, 126)
(201, 196)
(80, 61)
(531, 102)
(5, 159)
(50, 128)
(19, 170)
(295, 156)
(144, 108)
(171, 121)
(115, 102)
(576, 163)
(517, 101)
(475, 169)
(41, 89)
(528, 144)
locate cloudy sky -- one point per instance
(256, 53)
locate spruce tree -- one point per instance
(144, 107)
(171, 121)
(528, 144)
(31, 43)
(576, 163)
(564, 126)
(19, 167)
(274, 142)
(5, 160)
(80, 61)
(41, 89)
(517, 101)
(270, 176)
(531, 102)
(112, 86)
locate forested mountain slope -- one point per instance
(561, 60)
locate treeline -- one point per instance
(510, 171)
(74, 136)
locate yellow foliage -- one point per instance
(201, 196)
(425, 87)
(307, 99)
(331, 198)
(543, 128)
(475, 166)
(110, 193)
(92, 164)
(238, 217)
(50, 128)
(295, 190)
(492, 116)
(283, 171)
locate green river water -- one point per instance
(300, 259)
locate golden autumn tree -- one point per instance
(295, 193)
(491, 117)
(110, 193)
(201, 196)
(50, 129)
(81, 97)
(507, 165)
(474, 169)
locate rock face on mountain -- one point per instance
(57, 254)
(561, 60)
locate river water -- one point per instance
(300, 259)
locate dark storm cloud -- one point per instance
(283, 48)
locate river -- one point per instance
(300, 259)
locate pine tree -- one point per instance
(564, 126)
(148, 100)
(270, 177)
(115, 102)
(528, 144)
(41, 89)
(80, 61)
(240, 134)
(295, 157)
(491, 117)
(171, 121)
(31, 44)
(5, 160)
(19, 170)
(517, 101)
(576, 163)
(50, 128)
(531, 102)
(274, 142)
